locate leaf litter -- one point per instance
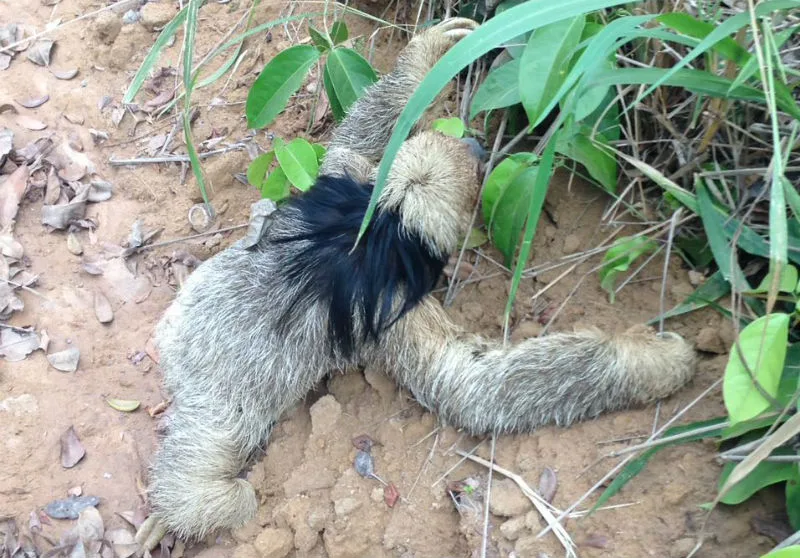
(72, 451)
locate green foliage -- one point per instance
(346, 74)
(619, 257)
(763, 348)
(787, 552)
(765, 474)
(295, 164)
(452, 127)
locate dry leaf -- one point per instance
(100, 190)
(39, 52)
(30, 123)
(8, 107)
(34, 102)
(90, 525)
(123, 405)
(53, 189)
(102, 309)
(74, 245)
(5, 61)
(72, 450)
(123, 542)
(548, 484)
(10, 247)
(16, 344)
(70, 508)
(66, 360)
(390, 494)
(11, 192)
(595, 540)
(74, 118)
(72, 172)
(61, 216)
(91, 268)
(65, 74)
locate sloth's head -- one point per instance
(433, 186)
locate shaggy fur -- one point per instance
(253, 330)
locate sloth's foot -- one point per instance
(150, 533)
(456, 27)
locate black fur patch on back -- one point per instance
(390, 262)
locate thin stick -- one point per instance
(172, 158)
(191, 237)
(661, 310)
(485, 542)
(458, 463)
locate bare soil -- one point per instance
(313, 503)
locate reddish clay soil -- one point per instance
(313, 503)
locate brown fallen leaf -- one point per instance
(595, 540)
(39, 52)
(16, 344)
(5, 61)
(390, 494)
(90, 526)
(92, 268)
(72, 451)
(53, 188)
(102, 309)
(6, 143)
(65, 74)
(74, 245)
(66, 360)
(12, 191)
(34, 102)
(548, 485)
(78, 119)
(8, 107)
(72, 172)
(30, 123)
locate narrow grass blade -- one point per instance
(713, 289)
(152, 56)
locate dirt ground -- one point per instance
(313, 503)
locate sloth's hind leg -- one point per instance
(194, 485)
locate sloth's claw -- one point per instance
(150, 534)
(460, 24)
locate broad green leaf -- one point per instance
(320, 151)
(515, 46)
(592, 99)
(298, 161)
(257, 170)
(793, 499)
(491, 34)
(453, 127)
(638, 464)
(688, 25)
(476, 238)
(336, 108)
(741, 429)
(276, 187)
(545, 61)
(765, 474)
(593, 154)
(788, 281)
(278, 81)
(503, 175)
(544, 171)
(349, 75)
(500, 89)
(319, 39)
(152, 56)
(714, 288)
(339, 32)
(742, 399)
(620, 256)
(788, 552)
(511, 212)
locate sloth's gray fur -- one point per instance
(232, 372)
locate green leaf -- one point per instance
(688, 25)
(697, 81)
(788, 552)
(742, 398)
(516, 45)
(620, 256)
(788, 280)
(765, 474)
(276, 187)
(336, 108)
(319, 39)
(298, 161)
(500, 89)
(714, 288)
(502, 175)
(638, 464)
(320, 151)
(152, 56)
(593, 154)
(278, 81)
(452, 127)
(257, 170)
(339, 32)
(476, 238)
(349, 75)
(492, 33)
(793, 499)
(545, 61)
(511, 212)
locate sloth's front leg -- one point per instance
(485, 387)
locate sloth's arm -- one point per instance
(485, 387)
(359, 142)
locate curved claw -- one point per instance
(150, 534)
(456, 24)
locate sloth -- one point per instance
(254, 329)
